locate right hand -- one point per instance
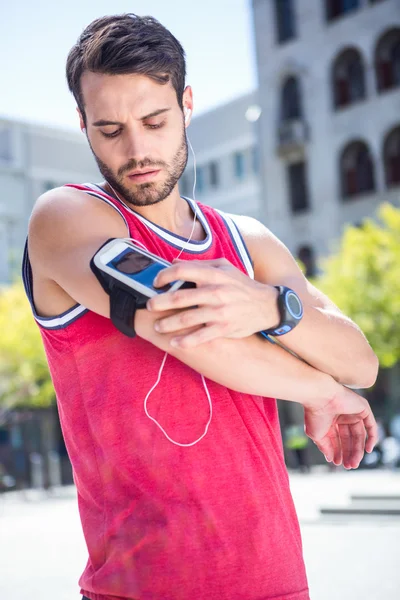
(343, 428)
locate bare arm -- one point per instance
(232, 305)
(325, 337)
(66, 229)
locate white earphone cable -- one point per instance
(166, 353)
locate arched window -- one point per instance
(337, 8)
(387, 60)
(306, 255)
(285, 20)
(391, 157)
(291, 107)
(356, 170)
(348, 78)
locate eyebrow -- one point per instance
(103, 122)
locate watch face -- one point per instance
(294, 305)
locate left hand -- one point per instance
(343, 428)
(225, 303)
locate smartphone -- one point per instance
(135, 267)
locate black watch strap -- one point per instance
(289, 316)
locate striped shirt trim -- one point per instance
(238, 242)
(58, 321)
(175, 240)
(96, 193)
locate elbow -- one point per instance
(367, 373)
(372, 371)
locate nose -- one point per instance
(137, 145)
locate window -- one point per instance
(337, 8)
(200, 180)
(255, 159)
(306, 255)
(387, 60)
(285, 21)
(356, 170)
(291, 100)
(238, 163)
(348, 78)
(391, 157)
(298, 189)
(5, 144)
(214, 174)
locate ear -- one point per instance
(81, 121)
(187, 101)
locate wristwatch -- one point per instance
(290, 310)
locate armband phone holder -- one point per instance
(124, 301)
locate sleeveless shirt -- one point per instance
(213, 521)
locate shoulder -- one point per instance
(269, 254)
(70, 203)
(67, 210)
(257, 236)
(66, 217)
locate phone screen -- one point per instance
(140, 268)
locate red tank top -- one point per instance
(213, 521)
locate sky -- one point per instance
(36, 36)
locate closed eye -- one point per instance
(155, 126)
(111, 135)
(118, 131)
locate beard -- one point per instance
(148, 193)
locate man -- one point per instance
(176, 514)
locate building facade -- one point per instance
(329, 132)
(34, 159)
(224, 141)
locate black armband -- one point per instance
(124, 301)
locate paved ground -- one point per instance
(42, 551)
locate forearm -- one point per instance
(334, 345)
(249, 365)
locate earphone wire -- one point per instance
(195, 209)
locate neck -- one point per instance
(173, 214)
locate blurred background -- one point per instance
(296, 123)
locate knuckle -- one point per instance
(222, 313)
(186, 318)
(175, 298)
(219, 293)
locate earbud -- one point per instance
(187, 112)
(83, 129)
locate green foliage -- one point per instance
(363, 279)
(24, 375)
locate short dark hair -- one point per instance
(125, 44)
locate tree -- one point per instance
(363, 279)
(24, 375)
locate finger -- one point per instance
(190, 271)
(187, 318)
(372, 431)
(326, 447)
(201, 336)
(345, 436)
(358, 436)
(333, 434)
(210, 294)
